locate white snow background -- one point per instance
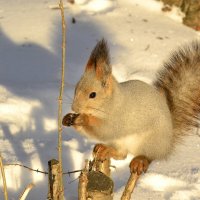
(140, 37)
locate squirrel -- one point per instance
(147, 121)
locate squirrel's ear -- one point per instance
(99, 60)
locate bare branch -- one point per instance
(72, 172)
(130, 186)
(26, 191)
(4, 179)
(56, 6)
(60, 99)
(83, 181)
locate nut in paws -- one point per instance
(69, 119)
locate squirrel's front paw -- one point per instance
(139, 164)
(69, 119)
(103, 152)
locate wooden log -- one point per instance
(54, 190)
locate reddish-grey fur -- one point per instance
(133, 116)
(180, 82)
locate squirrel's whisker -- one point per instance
(68, 97)
(96, 109)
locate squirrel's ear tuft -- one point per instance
(100, 59)
(100, 53)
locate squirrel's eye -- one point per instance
(92, 95)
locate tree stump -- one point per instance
(94, 184)
(99, 187)
(54, 192)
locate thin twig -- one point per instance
(4, 179)
(130, 186)
(56, 7)
(60, 98)
(72, 172)
(26, 191)
(83, 181)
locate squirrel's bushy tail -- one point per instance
(180, 82)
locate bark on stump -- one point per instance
(54, 180)
(99, 187)
(94, 184)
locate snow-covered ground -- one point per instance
(140, 36)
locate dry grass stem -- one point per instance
(60, 98)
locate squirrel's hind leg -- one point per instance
(139, 164)
(103, 152)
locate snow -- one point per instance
(140, 36)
